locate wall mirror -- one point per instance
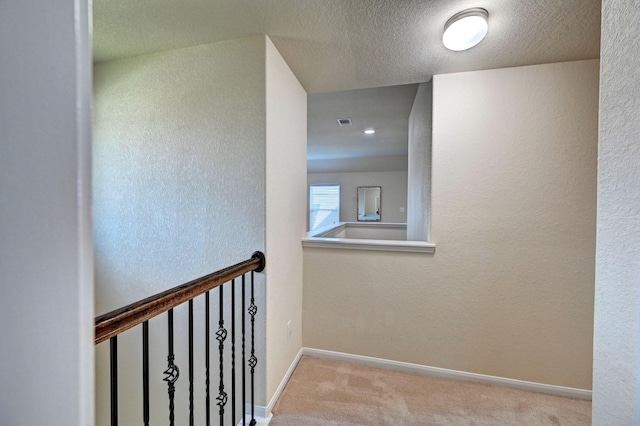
(369, 203)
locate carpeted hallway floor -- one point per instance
(323, 392)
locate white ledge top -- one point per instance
(364, 244)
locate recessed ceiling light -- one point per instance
(465, 29)
(369, 132)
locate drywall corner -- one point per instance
(286, 176)
(419, 169)
(616, 352)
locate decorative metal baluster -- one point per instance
(145, 373)
(221, 335)
(233, 351)
(172, 372)
(253, 361)
(244, 393)
(191, 362)
(207, 360)
(113, 364)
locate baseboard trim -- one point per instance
(444, 373)
(263, 414)
(283, 383)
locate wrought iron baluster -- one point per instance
(207, 361)
(145, 373)
(172, 372)
(113, 367)
(108, 326)
(253, 361)
(233, 351)
(244, 393)
(191, 362)
(221, 335)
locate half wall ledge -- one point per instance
(337, 237)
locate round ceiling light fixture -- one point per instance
(369, 132)
(465, 29)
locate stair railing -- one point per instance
(111, 324)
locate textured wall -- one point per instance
(509, 291)
(286, 152)
(365, 164)
(419, 174)
(46, 256)
(616, 390)
(179, 170)
(393, 195)
(374, 232)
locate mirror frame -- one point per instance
(379, 219)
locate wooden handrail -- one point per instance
(119, 320)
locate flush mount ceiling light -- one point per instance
(465, 29)
(369, 132)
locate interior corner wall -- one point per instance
(393, 194)
(509, 290)
(179, 190)
(286, 171)
(616, 364)
(419, 174)
(46, 245)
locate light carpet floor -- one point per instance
(323, 392)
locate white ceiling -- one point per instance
(338, 45)
(349, 44)
(385, 109)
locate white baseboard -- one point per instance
(263, 414)
(447, 374)
(283, 383)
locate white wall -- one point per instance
(373, 232)
(616, 390)
(419, 163)
(393, 195)
(286, 152)
(46, 258)
(179, 187)
(509, 290)
(364, 164)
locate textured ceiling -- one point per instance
(341, 45)
(348, 44)
(385, 109)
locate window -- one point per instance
(324, 205)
